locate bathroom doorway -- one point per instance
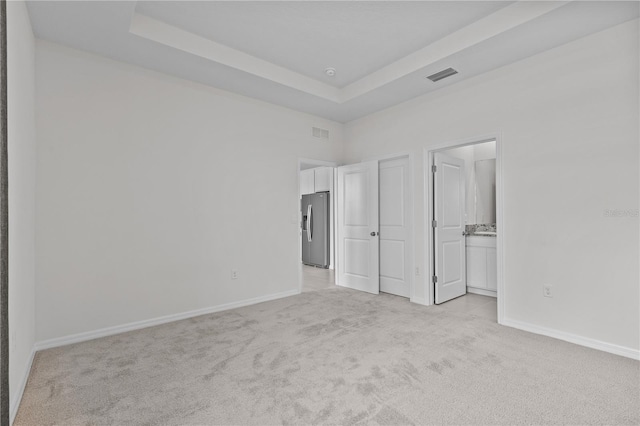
(463, 200)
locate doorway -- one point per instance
(4, 225)
(315, 213)
(464, 232)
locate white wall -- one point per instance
(568, 119)
(22, 180)
(151, 189)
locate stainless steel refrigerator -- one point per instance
(315, 229)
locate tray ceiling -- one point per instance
(278, 51)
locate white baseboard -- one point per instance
(109, 331)
(482, 292)
(574, 338)
(15, 402)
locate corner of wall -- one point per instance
(21, 128)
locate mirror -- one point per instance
(485, 188)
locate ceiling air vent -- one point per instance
(442, 74)
(320, 133)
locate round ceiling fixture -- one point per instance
(330, 72)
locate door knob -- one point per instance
(374, 233)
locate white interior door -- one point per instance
(449, 212)
(358, 245)
(395, 227)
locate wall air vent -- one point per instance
(320, 133)
(442, 74)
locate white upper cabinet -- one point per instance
(319, 179)
(323, 178)
(307, 181)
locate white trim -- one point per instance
(428, 212)
(500, 227)
(17, 398)
(482, 292)
(318, 163)
(462, 142)
(574, 338)
(428, 229)
(427, 271)
(109, 331)
(412, 204)
(387, 157)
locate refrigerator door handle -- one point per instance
(309, 223)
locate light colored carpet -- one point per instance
(332, 357)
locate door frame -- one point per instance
(412, 256)
(441, 236)
(5, 416)
(500, 220)
(332, 251)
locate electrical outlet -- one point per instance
(417, 271)
(234, 274)
(547, 290)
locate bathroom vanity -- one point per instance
(481, 264)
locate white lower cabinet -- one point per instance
(492, 268)
(481, 265)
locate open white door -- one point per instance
(358, 245)
(449, 226)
